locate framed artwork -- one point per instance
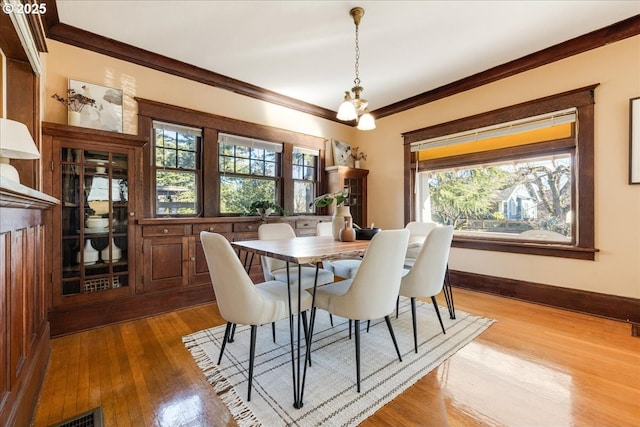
(342, 154)
(634, 141)
(106, 113)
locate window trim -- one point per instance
(316, 178)
(583, 100)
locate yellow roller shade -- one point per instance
(530, 137)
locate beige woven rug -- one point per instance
(330, 396)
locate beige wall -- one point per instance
(617, 205)
(616, 68)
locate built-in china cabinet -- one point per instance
(355, 181)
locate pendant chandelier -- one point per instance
(353, 107)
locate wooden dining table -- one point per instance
(305, 250)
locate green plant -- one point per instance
(326, 199)
(263, 205)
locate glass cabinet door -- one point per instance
(94, 221)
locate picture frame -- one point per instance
(342, 154)
(634, 140)
(106, 114)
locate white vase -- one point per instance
(116, 253)
(337, 220)
(73, 118)
(357, 164)
(90, 253)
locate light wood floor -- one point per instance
(535, 366)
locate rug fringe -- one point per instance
(238, 408)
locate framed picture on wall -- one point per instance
(634, 141)
(106, 113)
(342, 154)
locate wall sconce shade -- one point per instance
(15, 143)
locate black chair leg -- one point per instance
(331, 319)
(233, 332)
(252, 353)
(397, 306)
(227, 330)
(448, 294)
(273, 330)
(393, 337)
(435, 305)
(413, 318)
(368, 324)
(350, 323)
(357, 333)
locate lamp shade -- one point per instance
(347, 111)
(366, 122)
(16, 141)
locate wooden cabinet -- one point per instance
(24, 284)
(355, 180)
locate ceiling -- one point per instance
(306, 49)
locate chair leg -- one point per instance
(448, 294)
(397, 306)
(233, 332)
(435, 305)
(331, 319)
(413, 318)
(273, 330)
(252, 353)
(393, 337)
(368, 324)
(350, 323)
(227, 330)
(357, 333)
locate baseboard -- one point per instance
(593, 303)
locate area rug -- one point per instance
(330, 396)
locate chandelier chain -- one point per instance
(357, 79)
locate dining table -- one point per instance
(304, 251)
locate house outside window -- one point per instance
(250, 170)
(177, 169)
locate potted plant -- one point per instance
(75, 103)
(264, 208)
(339, 213)
(357, 156)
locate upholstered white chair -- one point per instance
(242, 302)
(344, 268)
(426, 277)
(372, 293)
(275, 269)
(421, 229)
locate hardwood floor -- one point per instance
(536, 366)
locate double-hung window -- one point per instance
(305, 178)
(177, 169)
(250, 170)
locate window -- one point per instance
(250, 170)
(305, 178)
(177, 169)
(518, 179)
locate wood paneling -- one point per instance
(536, 366)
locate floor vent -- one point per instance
(92, 418)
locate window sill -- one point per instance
(543, 249)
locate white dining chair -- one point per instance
(372, 293)
(240, 301)
(275, 269)
(344, 268)
(426, 277)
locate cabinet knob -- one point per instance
(210, 228)
(132, 214)
(193, 258)
(165, 231)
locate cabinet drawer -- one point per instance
(162, 230)
(245, 226)
(247, 235)
(307, 223)
(212, 228)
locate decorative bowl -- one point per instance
(97, 222)
(366, 233)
